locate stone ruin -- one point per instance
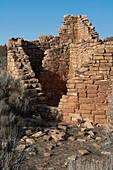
(68, 76)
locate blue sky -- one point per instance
(31, 18)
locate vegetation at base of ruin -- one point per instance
(3, 51)
(13, 107)
(3, 56)
(109, 39)
(109, 124)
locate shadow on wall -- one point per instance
(53, 87)
(36, 55)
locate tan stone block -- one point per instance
(82, 95)
(81, 90)
(72, 93)
(69, 110)
(103, 87)
(111, 68)
(109, 58)
(99, 51)
(99, 99)
(87, 107)
(100, 117)
(98, 112)
(86, 100)
(103, 61)
(72, 99)
(100, 57)
(70, 86)
(97, 77)
(66, 118)
(80, 86)
(71, 105)
(88, 82)
(83, 112)
(101, 82)
(111, 72)
(91, 95)
(101, 121)
(92, 91)
(64, 96)
(102, 106)
(109, 50)
(63, 100)
(90, 87)
(90, 73)
(102, 95)
(104, 68)
(89, 116)
(93, 68)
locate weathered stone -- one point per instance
(20, 147)
(98, 138)
(46, 137)
(83, 152)
(62, 127)
(37, 134)
(95, 145)
(47, 154)
(106, 153)
(30, 141)
(88, 125)
(81, 140)
(28, 132)
(50, 147)
(71, 138)
(57, 137)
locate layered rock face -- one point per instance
(71, 71)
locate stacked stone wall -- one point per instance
(75, 28)
(21, 66)
(90, 87)
(75, 68)
(54, 73)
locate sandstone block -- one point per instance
(92, 87)
(104, 68)
(70, 86)
(86, 100)
(98, 112)
(30, 141)
(69, 110)
(92, 91)
(66, 118)
(83, 152)
(83, 112)
(99, 50)
(72, 99)
(80, 86)
(100, 57)
(47, 154)
(87, 107)
(100, 116)
(109, 50)
(98, 77)
(83, 95)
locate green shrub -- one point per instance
(13, 107)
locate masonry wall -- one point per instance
(90, 87)
(75, 68)
(54, 74)
(75, 28)
(21, 66)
